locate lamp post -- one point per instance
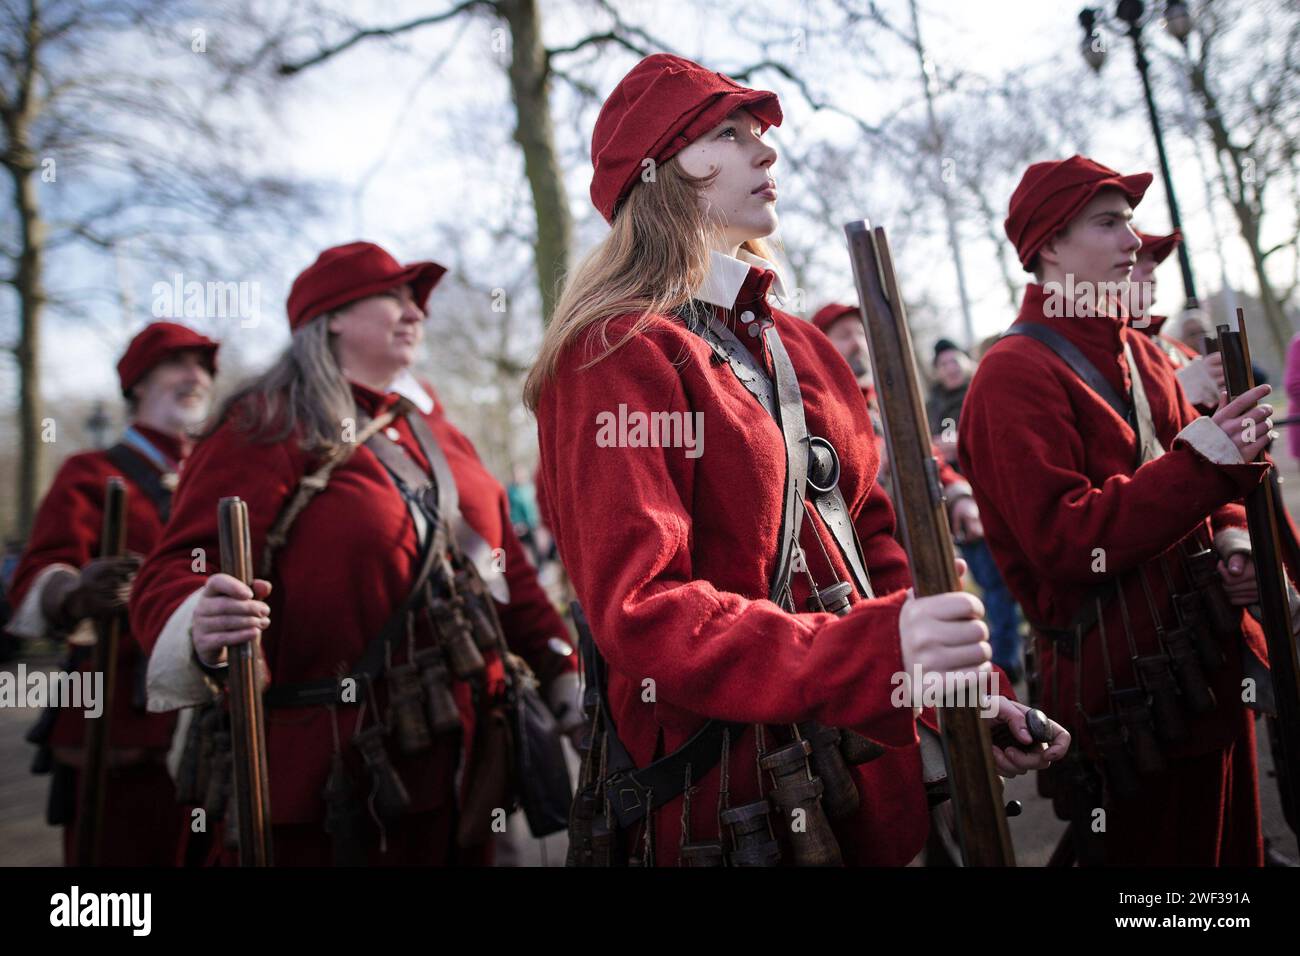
(1178, 23)
(97, 426)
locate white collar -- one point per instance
(727, 274)
(409, 387)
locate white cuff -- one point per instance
(29, 620)
(174, 680)
(1211, 442)
(1197, 383)
(564, 697)
(956, 491)
(1230, 541)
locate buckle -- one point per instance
(823, 466)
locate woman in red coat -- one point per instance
(664, 481)
(339, 571)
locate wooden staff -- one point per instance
(252, 789)
(94, 769)
(972, 774)
(1266, 546)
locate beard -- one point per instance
(188, 417)
(859, 366)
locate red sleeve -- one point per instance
(1019, 444)
(715, 653)
(948, 475)
(223, 464)
(67, 525)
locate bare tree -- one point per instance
(112, 153)
(1245, 72)
(531, 69)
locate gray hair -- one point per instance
(303, 393)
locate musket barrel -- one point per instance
(94, 771)
(972, 775)
(248, 732)
(1262, 521)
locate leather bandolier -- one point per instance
(1170, 660)
(805, 764)
(404, 679)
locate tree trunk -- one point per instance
(534, 132)
(31, 297)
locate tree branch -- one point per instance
(289, 69)
(593, 40)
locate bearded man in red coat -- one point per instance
(61, 590)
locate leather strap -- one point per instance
(794, 431)
(143, 474)
(633, 792)
(401, 466)
(1069, 353)
(471, 544)
(433, 539)
(1149, 446)
(325, 691)
(783, 401)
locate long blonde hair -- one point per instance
(655, 256)
(304, 392)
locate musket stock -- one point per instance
(248, 733)
(976, 789)
(94, 770)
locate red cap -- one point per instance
(154, 343)
(1051, 194)
(1158, 247)
(662, 106)
(828, 315)
(343, 274)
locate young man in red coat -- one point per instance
(62, 590)
(1094, 529)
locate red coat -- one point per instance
(67, 530)
(671, 556)
(348, 562)
(1052, 468)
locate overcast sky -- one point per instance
(418, 132)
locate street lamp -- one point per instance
(1178, 23)
(97, 425)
